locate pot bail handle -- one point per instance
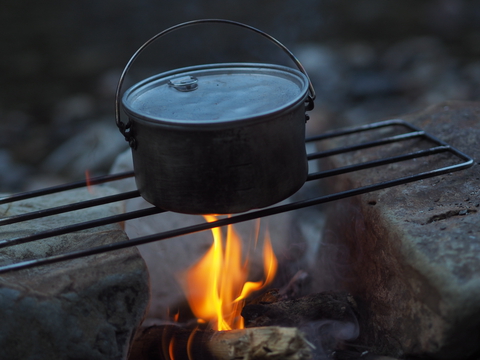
(125, 127)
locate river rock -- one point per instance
(88, 308)
(93, 149)
(410, 254)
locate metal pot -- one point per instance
(218, 138)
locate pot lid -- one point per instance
(216, 93)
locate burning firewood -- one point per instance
(260, 343)
(273, 331)
(271, 310)
(173, 342)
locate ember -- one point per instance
(88, 181)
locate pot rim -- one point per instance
(244, 120)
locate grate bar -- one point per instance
(59, 188)
(366, 145)
(375, 163)
(361, 128)
(69, 207)
(80, 226)
(439, 147)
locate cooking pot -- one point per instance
(218, 138)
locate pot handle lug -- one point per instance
(125, 128)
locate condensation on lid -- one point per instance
(216, 92)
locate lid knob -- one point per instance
(184, 83)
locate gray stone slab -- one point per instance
(411, 253)
(88, 308)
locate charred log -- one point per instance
(328, 319)
(271, 310)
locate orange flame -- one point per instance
(170, 348)
(88, 181)
(216, 286)
(190, 343)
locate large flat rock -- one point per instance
(88, 308)
(411, 253)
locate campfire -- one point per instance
(222, 300)
(216, 288)
(277, 322)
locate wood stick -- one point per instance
(172, 342)
(260, 343)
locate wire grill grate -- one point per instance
(393, 133)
